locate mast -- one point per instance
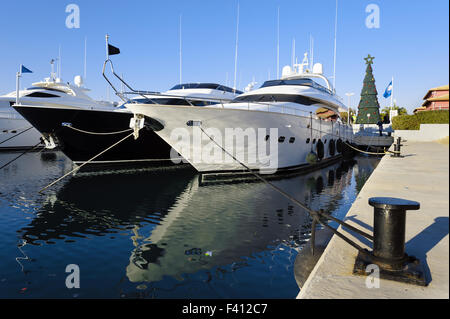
(335, 36)
(293, 53)
(85, 56)
(311, 51)
(181, 55)
(59, 62)
(278, 44)
(236, 51)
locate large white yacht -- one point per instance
(293, 122)
(52, 92)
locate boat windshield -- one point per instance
(300, 82)
(211, 86)
(174, 101)
(45, 88)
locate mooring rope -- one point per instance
(78, 167)
(28, 150)
(315, 214)
(16, 135)
(351, 146)
(97, 133)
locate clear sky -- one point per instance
(411, 43)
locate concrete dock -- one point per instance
(423, 176)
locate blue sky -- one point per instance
(412, 43)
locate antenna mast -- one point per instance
(293, 53)
(335, 35)
(311, 51)
(278, 44)
(85, 56)
(181, 56)
(59, 62)
(236, 52)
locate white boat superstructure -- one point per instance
(286, 123)
(193, 94)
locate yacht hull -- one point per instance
(296, 137)
(148, 150)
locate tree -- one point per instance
(368, 108)
(344, 115)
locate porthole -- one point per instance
(308, 140)
(281, 139)
(13, 132)
(292, 140)
(267, 137)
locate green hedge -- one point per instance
(412, 122)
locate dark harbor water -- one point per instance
(158, 233)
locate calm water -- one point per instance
(158, 233)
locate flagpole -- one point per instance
(392, 93)
(17, 84)
(107, 51)
(236, 50)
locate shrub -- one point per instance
(433, 117)
(405, 122)
(412, 122)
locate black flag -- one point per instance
(112, 50)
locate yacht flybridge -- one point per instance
(292, 122)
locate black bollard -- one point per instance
(397, 147)
(389, 225)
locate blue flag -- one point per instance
(388, 91)
(25, 70)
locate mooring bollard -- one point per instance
(389, 226)
(397, 147)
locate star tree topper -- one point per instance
(369, 59)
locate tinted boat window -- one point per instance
(44, 88)
(307, 82)
(166, 101)
(41, 94)
(301, 82)
(275, 98)
(211, 86)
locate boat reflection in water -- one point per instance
(176, 227)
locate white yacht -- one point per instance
(290, 123)
(84, 128)
(52, 92)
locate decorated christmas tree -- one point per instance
(368, 108)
